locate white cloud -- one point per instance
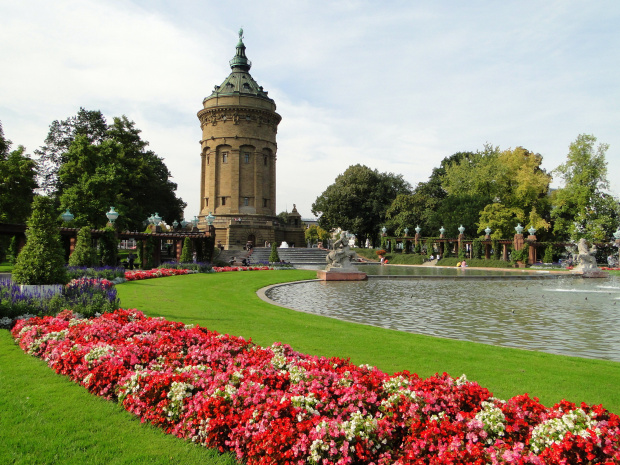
(394, 85)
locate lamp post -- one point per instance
(383, 230)
(112, 215)
(417, 230)
(532, 230)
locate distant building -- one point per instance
(238, 170)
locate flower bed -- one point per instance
(221, 269)
(274, 405)
(136, 275)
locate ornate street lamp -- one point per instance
(461, 229)
(210, 218)
(156, 219)
(532, 230)
(383, 230)
(487, 231)
(519, 228)
(112, 215)
(442, 231)
(67, 216)
(406, 232)
(417, 230)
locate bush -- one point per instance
(12, 255)
(274, 257)
(497, 253)
(108, 247)
(84, 254)
(186, 252)
(405, 259)
(548, 257)
(42, 260)
(476, 249)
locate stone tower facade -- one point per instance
(238, 160)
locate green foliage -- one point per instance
(548, 257)
(315, 234)
(274, 257)
(482, 263)
(108, 247)
(357, 201)
(405, 259)
(429, 247)
(417, 247)
(187, 251)
(497, 249)
(583, 208)
(17, 182)
(12, 252)
(476, 249)
(282, 218)
(520, 255)
(84, 156)
(148, 253)
(84, 253)
(392, 245)
(447, 249)
(41, 261)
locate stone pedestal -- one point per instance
(595, 273)
(344, 275)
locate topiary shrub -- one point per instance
(41, 261)
(186, 252)
(274, 257)
(12, 252)
(548, 256)
(84, 254)
(476, 249)
(497, 253)
(108, 247)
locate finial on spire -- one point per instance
(240, 33)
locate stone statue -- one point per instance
(340, 256)
(240, 33)
(586, 262)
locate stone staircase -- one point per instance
(293, 255)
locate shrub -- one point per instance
(476, 248)
(186, 252)
(381, 252)
(497, 253)
(108, 247)
(84, 253)
(548, 257)
(12, 253)
(200, 267)
(42, 260)
(274, 257)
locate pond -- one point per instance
(566, 315)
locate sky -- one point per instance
(393, 85)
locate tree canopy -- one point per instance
(358, 199)
(583, 208)
(90, 165)
(17, 182)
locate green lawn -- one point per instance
(45, 418)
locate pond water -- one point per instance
(565, 315)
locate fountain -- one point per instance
(338, 260)
(586, 262)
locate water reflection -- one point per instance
(570, 316)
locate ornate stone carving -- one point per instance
(340, 256)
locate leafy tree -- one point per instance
(186, 251)
(89, 166)
(357, 201)
(583, 208)
(41, 260)
(84, 254)
(282, 218)
(316, 234)
(17, 182)
(274, 257)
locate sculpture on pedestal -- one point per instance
(340, 256)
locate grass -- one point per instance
(45, 418)
(6, 267)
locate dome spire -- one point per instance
(240, 61)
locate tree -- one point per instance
(273, 256)
(17, 182)
(186, 251)
(108, 247)
(358, 200)
(84, 254)
(583, 208)
(90, 166)
(41, 260)
(316, 234)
